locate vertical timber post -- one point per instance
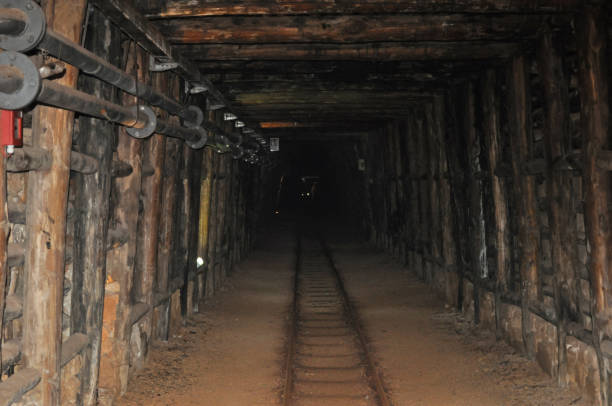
(204, 224)
(492, 139)
(154, 152)
(592, 35)
(120, 261)
(96, 138)
(524, 194)
(46, 221)
(559, 190)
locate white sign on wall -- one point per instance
(274, 144)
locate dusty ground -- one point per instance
(429, 355)
(231, 353)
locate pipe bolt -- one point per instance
(29, 6)
(30, 38)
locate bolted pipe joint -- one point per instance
(150, 120)
(194, 117)
(22, 25)
(237, 151)
(200, 142)
(20, 81)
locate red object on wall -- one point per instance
(11, 128)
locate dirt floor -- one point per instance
(232, 352)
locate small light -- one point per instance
(238, 124)
(276, 212)
(199, 262)
(229, 117)
(308, 194)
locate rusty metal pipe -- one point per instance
(67, 98)
(14, 21)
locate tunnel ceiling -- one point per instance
(315, 67)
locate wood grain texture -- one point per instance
(46, 220)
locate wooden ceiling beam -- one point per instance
(235, 88)
(206, 8)
(363, 52)
(351, 28)
(341, 68)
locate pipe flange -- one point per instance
(198, 115)
(31, 81)
(237, 152)
(201, 142)
(35, 29)
(148, 129)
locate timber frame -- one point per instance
(471, 141)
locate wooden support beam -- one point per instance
(493, 144)
(192, 292)
(17, 385)
(72, 347)
(220, 259)
(92, 193)
(4, 233)
(519, 118)
(212, 277)
(120, 169)
(168, 228)
(560, 193)
(351, 28)
(116, 237)
(46, 220)
(206, 180)
(383, 51)
(154, 152)
(30, 158)
(592, 44)
(201, 8)
(125, 193)
(16, 211)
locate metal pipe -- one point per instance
(14, 21)
(194, 137)
(11, 26)
(91, 64)
(67, 98)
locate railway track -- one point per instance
(328, 363)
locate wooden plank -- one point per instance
(350, 28)
(202, 8)
(125, 195)
(17, 385)
(72, 347)
(382, 51)
(524, 193)
(95, 138)
(46, 220)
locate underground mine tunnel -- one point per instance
(305, 202)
